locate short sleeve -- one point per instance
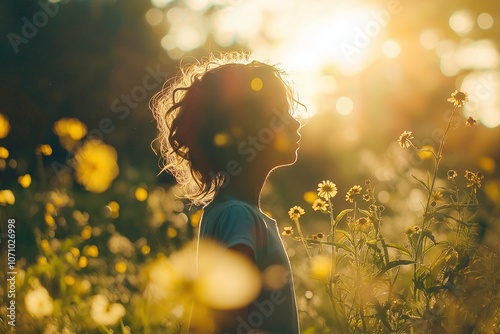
(236, 225)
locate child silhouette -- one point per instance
(224, 125)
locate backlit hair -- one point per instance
(203, 100)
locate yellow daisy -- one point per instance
(327, 189)
(320, 205)
(296, 212)
(287, 230)
(458, 98)
(405, 139)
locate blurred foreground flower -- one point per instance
(38, 302)
(96, 166)
(4, 126)
(104, 313)
(44, 149)
(223, 279)
(24, 180)
(321, 267)
(7, 197)
(70, 131)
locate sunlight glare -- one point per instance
(477, 55)
(154, 16)
(484, 97)
(160, 3)
(391, 49)
(461, 22)
(344, 105)
(429, 39)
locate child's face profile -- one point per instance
(270, 134)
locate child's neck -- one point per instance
(244, 187)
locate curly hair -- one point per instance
(209, 98)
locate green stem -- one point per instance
(437, 159)
(297, 223)
(333, 256)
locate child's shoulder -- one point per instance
(231, 207)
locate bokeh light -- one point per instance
(462, 21)
(485, 21)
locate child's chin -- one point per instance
(289, 159)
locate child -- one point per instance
(224, 125)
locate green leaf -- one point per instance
(399, 247)
(421, 182)
(428, 234)
(336, 244)
(341, 215)
(345, 234)
(365, 212)
(393, 264)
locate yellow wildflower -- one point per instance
(318, 236)
(320, 205)
(195, 218)
(310, 196)
(470, 122)
(296, 212)
(4, 126)
(96, 166)
(75, 251)
(121, 267)
(69, 280)
(49, 220)
(405, 139)
(24, 180)
(413, 230)
(458, 98)
(145, 250)
(321, 267)
(141, 194)
(363, 224)
(83, 262)
(105, 313)
(112, 209)
(473, 180)
(426, 152)
(437, 196)
(86, 232)
(60, 198)
(287, 230)
(452, 174)
(82, 218)
(91, 251)
(355, 190)
(70, 127)
(4, 153)
(38, 302)
(327, 189)
(171, 232)
(7, 197)
(45, 149)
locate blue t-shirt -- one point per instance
(230, 222)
